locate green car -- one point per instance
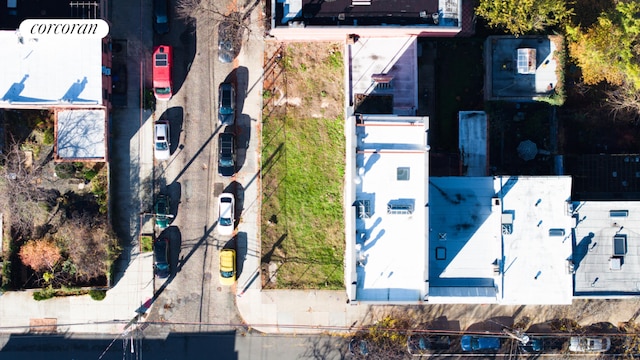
(162, 207)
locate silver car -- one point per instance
(161, 140)
(589, 344)
(226, 214)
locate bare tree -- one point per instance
(624, 100)
(19, 191)
(208, 12)
(90, 244)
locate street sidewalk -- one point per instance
(81, 314)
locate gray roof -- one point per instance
(598, 223)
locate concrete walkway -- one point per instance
(81, 314)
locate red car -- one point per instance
(162, 62)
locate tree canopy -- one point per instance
(40, 255)
(520, 17)
(609, 50)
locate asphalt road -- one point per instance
(192, 295)
(210, 345)
(220, 345)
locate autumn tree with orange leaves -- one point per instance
(40, 255)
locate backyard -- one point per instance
(302, 226)
(56, 233)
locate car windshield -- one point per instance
(225, 221)
(161, 208)
(162, 145)
(226, 162)
(162, 19)
(163, 91)
(226, 274)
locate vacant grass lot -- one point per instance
(303, 167)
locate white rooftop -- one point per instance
(80, 135)
(390, 192)
(49, 71)
(598, 223)
(475, 258)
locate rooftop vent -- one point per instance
(618, 213)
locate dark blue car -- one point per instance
(479, 343)
(161, 265)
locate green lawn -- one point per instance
(302, 218)
(303, 156)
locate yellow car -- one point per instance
(227, 266)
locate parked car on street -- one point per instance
(226, 154)
(226, 104)
(227, 266)
(161, 71)
(226, 213)
(589, 344)
(421, 344)
(161, 140)
(161, 16)
(534, 345)
(161, 266)
(480, 343)
(161, 209)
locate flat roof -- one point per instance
(391, 218)
(503, 79)
(368, 13)
(475, 258)
(597, 224)
(81, 134)
(472, 142)
(49, 71)
(395, 60)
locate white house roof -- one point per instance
(389, 184)
(599, 223)
(80, 134)
(49, 71)
(495, 240)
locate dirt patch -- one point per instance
(301, 75)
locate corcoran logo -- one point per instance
(76, 28)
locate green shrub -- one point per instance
(98, 295)
(48, 136)
(6, 274)
(149, 100)
(89, 174)
(101, 196)
(146, 243)
(65, 170)
(44, 294)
